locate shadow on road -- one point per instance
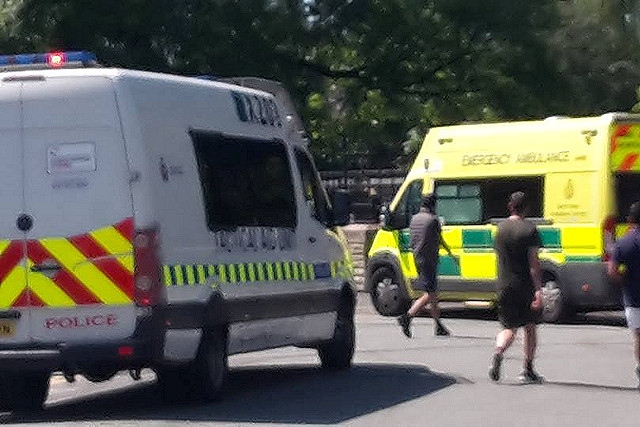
(591, 386)
(604, 318)
(305, 395)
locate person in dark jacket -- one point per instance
(624, 268)
(426, 239)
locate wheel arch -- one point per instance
(382, 259)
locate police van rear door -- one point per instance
(14, 294)
(76, 191)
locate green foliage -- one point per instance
(369, 76)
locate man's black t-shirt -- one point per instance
(513, 240)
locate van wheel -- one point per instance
(554, 306)
(338, 353)
(212, 368)
(204, 379)
(24, 392)
(388, 294)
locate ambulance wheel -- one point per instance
(338, 353)
(554, 306)
(25, 393)
(204, 379)
(388, 293)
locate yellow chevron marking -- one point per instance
(201, 274)
(211, 270)
(12, 286)
(222, 272)
(252, 272)
(232, 273)
(191, 276)
(279, 272)
(3, 245)
(115, 243)
(88, 274)
(47, 290)
(303, 270)
(177, 271)
(261, 275)
(287, 271)
(312, 272)
(270, 272)
(167, 274)
(242, 272)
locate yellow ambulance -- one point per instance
(580, 175)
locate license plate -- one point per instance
(7, 328)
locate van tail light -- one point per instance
(608, 236)
(148, 289)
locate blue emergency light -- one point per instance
(48, 60)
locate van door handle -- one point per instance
(46, 267)
(10, 314)
(312, 239)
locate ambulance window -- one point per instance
(314, 192)
(496, 192)
(459, 203)
(245, 182)
(627, 192)
(408, 206)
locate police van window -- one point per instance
(245, 182)
(479, 201)
(408, 206)
(314, 192)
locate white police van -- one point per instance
(153, 220)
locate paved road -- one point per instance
(395, 381)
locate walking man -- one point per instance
(624, 268)
(426, 239)
(519, 286)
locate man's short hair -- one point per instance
(429, 201)
(634, 213)
(518, 202)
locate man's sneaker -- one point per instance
(405, 323)
(529, 376)
(440, 330)
(494, 369)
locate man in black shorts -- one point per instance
(519, 286)
(426, 239)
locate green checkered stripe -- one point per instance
(180, 275)
(481, 240)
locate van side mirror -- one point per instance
(341, 207)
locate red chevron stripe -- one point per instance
(620, 131)
(628, 162)
(10, 258)
(64, 279)
(119, 275)
(28, 299)
(125, 228)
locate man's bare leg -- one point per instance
(504, 339)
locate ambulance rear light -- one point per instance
(73, 59)
(608, 236)
(148, 289)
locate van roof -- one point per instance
(117, 73)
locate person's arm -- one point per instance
(446, 247)
(535, 271)
(613, 266)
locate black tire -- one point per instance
(204, 379)
(24, 393)
(555, 308)
(338, 353)
(388, 292)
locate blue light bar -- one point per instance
(48, 60)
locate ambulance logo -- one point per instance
(569, 190)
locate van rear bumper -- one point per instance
(125, 354)
(588, 286)
(143, 349)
